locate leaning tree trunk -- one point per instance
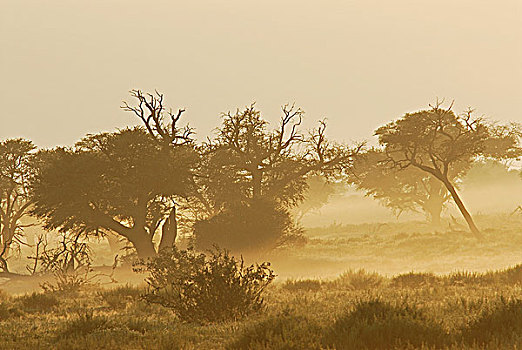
(469, 220)
(169, 231)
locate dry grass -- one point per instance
(411, 305)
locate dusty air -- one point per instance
(339, 175)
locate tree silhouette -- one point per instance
(123, 182)
(409, 189)
(16, 171)
(441, 143)
(251, 171)
(163, 125)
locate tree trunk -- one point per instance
(142, 243)
(257, 177)
(6, 243)
(469, 220)
(169, 231)
(3, 264)
(435, 202)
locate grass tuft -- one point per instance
(283, 331)
(376, 324)
(307, 285)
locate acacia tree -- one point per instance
(16, 170)
(441, 143)
(162, 124)
(122, 182)
(254, 175)
(409, 189)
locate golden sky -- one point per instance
(65, 66)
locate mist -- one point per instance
(260, 175)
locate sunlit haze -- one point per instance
(67, 65)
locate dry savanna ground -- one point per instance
(375, 286)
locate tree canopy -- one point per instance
(122, 182)
(409, 189)
(16, 172)
(443, 144)
(248, 168)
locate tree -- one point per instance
(409, 189)
(162, 125)
(441, 143)
(261, 173)
(16, 171)
(123, 182)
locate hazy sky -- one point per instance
(65, 66)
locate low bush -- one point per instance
(461, 278)
(8, 310)
(358, 280)
(378, 325)
(139, 325)
(86, 323)
(201, 288)
(38, 302)
(283, 331)
(513, 275)
(118, 298)
(415, 280)
(246, 227)
(308, 285)
(501, 323)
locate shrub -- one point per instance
(358, 280)
(38, 302)
(510, 276)
(245, 227)
(302, 285)
(85, 323)
(460, 278)
(118, 298)
(139, 325)
(284, 331)
(7, 311)
(378, 325)
(414, 280)
(69, 281)
(200, 288)
(501, 323)
(513, 275)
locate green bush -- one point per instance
(201, 288)
(284, 331)
(38, 302)
(378, 325)
(499, 324)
